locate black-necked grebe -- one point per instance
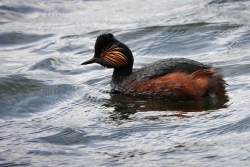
(172, 78)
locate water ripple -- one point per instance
(15, 38)
(18, 91)
(21, 9)
(175, 39)
(67, 136)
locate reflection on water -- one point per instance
(55, 112)
(125, 106)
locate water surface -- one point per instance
(55, 112)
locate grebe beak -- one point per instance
(93, 60)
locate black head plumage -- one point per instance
(111, 53)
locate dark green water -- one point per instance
(55, 112)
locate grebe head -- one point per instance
(111, 53)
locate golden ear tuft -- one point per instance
(113, 56)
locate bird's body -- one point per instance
(173, 78)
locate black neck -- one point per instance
(124, 71)
(120, 73)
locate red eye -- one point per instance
(101, 54)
